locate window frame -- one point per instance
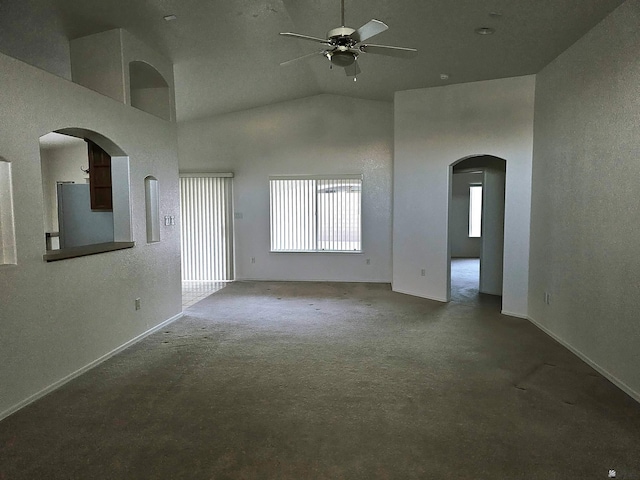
(471, 231)
(315, 219)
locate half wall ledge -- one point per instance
(73, 252)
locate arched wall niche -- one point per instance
(152, 208)
(149, 91)
(65, 164)
(7, 228)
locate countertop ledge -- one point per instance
(65, 253)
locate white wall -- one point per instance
(585, 215)
(58, 317)
(61, 164)
(462, 246)
(491, 265)
(435, 127)
(325, 134)
(155, 101)
(96, 63)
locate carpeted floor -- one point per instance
(267, 380)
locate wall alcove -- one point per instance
(7, 230)
(150, 92)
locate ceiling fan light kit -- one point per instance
(344, 45)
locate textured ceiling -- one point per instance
(227, 53)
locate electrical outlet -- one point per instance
(138, 304)
(423, 272)
(253, 259)
(368, 261)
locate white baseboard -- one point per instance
(413, 294)
(311, 280)
(513, 314)
(604, 372)
(86, 368)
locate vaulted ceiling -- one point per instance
(227, 53)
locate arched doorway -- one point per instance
(476, 228)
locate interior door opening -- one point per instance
(206, 202)
(476, 229)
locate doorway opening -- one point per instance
(476, 229)
(206, 202)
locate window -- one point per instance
(316, 213)
(7, 234)
(475, 210)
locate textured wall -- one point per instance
(585, 213)
(58, 317)
(435, 127)
(32, 31)
(325, 134)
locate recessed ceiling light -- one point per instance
(495, 14)
(444, 76)
(485, 31)
(169, 18)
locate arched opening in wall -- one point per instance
(149, 91)
(476, 229)
(7, 229)
(86, 191)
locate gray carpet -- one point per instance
(331, 381)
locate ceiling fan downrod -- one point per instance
(342, 12)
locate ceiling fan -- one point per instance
(343, 45)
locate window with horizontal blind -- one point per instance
(316, 213)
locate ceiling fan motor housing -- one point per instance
(343, 36)
(343, 39)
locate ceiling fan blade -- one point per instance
(368, 30)
(289, 62)
(304, 37)
(401, 52)
(352, 70)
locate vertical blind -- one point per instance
(316, 213)
(206, 227)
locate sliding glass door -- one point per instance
(206, 227)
